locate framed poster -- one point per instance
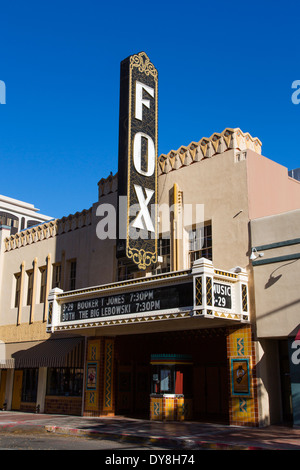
(91, 376)
(240, 377)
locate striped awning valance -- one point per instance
(58, 352)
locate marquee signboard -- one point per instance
(137, 172)
(148, 300)
(222, 295)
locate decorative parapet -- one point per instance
(207, 148)
(108, 185)
(196, 151)
(48, 230)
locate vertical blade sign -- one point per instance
(137, 173)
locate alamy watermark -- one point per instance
(142, 218)
(2, 92)
(296, 94)
(295, 357)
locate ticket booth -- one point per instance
(171, 387)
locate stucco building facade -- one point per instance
(84, 332)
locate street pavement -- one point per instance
(174, 435)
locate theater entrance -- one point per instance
(200, 388)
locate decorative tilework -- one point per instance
(92, 398)
(174, 408)
(156, 408)
(198, 291)
(240, 346)
(92, 376)
(108, 375)
(93, 352)
(243, 405)
(243, 411)
(209, 291)
(244, 298)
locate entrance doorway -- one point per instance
(209, 378)
(133, 389)
(17, 390)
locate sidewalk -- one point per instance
(174, 435)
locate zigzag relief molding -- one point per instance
(48, 230)
(194, 152)
(206, 148)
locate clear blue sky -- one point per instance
(221, 64)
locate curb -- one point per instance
(174, 443)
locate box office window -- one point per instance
(172, 379)
(200, 243)
(29, 385)
(64, 381)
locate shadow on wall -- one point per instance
(273, 279)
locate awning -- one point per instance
(58, 352)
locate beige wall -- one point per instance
(73, 238)
(220, 184)
(277, 288)
(232, 186)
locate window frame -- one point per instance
(202, 243)
(30, 276)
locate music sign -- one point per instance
(222, 295)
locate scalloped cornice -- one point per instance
(48, 230)
(207, 148)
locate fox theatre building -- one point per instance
(171, 337)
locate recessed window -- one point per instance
(43, 284)
(72, 283)
(18, 289)
(65, 381)
(56, 282)
(200, 243)
(30, 287)
(29, 385)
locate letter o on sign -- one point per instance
(137, 154)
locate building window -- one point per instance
(72, 275)
(172, 379)
(163, 251)
(9, 220)
(29, 385)
(30, 287)
(200, 243)
(126, 270)
(43, 284)
(56, 282)
(32, 223)
(18, 289)
(64, 381)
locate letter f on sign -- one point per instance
(140, 101)
(144, 209)
(2, 93)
